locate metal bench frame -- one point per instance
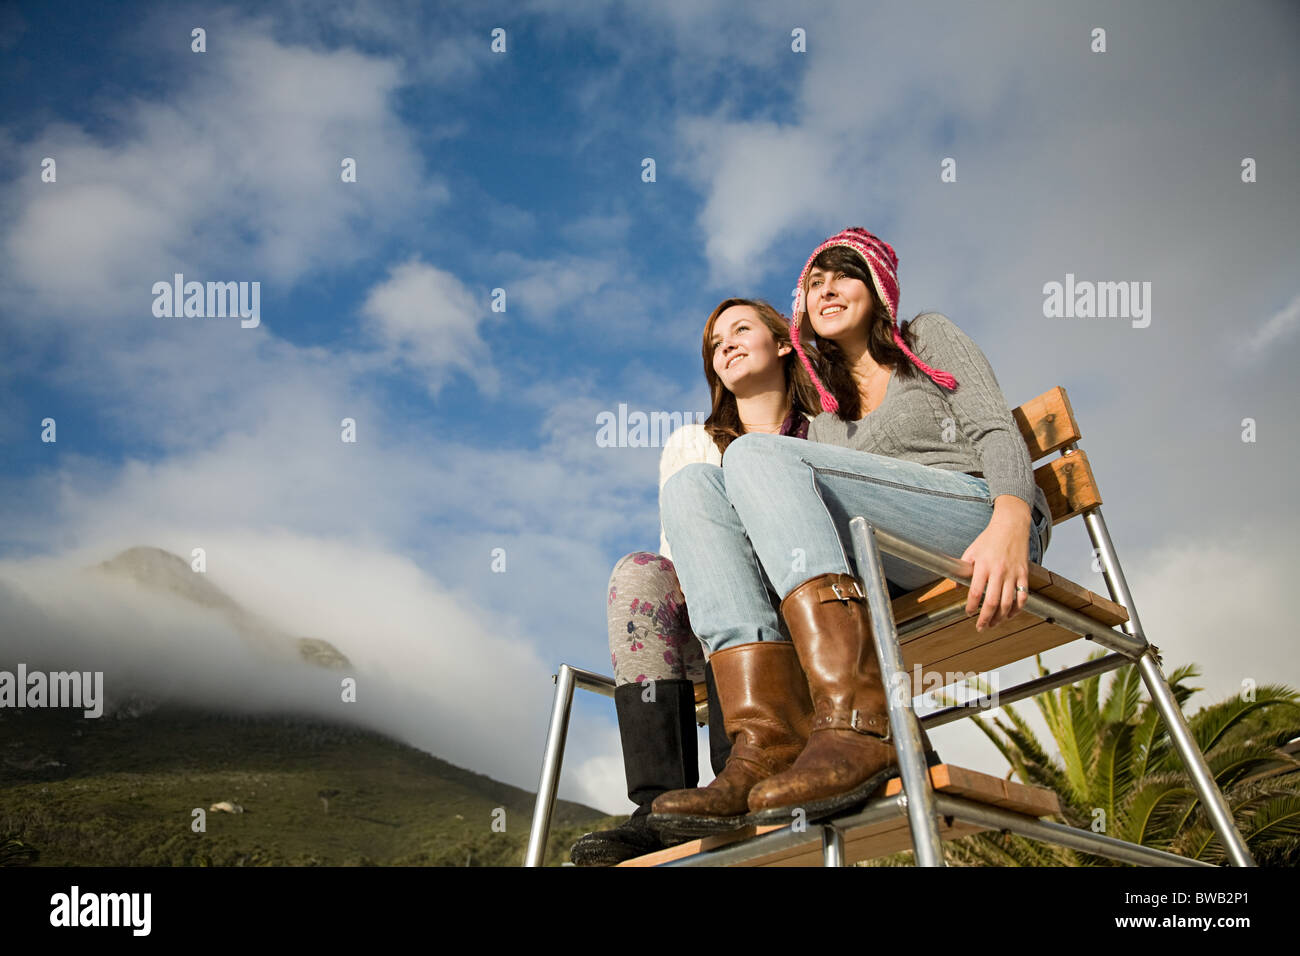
(918, 800)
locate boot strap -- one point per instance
(841, 592)
(856, 721)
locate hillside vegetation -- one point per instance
(121, 791)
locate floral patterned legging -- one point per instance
(650, 636)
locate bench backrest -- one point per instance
(1047, 424)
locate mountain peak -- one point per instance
(168, 573)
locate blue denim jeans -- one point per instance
(777, 513)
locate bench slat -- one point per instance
(1069, 486)
(1047, 423)
(1019, 646)
(955, 638)
(943, 594)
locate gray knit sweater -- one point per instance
(969, 429)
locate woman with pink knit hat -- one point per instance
(916, 436)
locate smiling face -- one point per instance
(745, 352)
(839, 305)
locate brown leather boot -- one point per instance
(850, 753)
(766, 710)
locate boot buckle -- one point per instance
(857, 723)
(840, 594)
(836, 591)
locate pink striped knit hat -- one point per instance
(882, 264)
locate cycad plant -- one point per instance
(1116, 772)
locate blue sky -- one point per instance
(522, 171)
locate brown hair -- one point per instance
(723, 424)
(828, 358)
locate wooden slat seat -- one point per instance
(887, 836)
(958, 646)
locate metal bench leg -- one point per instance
(551, 760)
(1181, 737)
(1163, 697)
(904, 727)
(832, 846)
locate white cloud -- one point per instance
(600, 298)
(601, 778)
(235, 176)
(606, 229)
(548, 289)
(760, 179)
(433, 48)
(1277, 327)
(427, 318)
(1220, 602)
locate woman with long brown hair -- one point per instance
(756, 385)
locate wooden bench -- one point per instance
(932, 634)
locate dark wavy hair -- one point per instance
(723, 424)
(828, 358)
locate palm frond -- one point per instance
(1278, 818)
(1229, 764)
(1066, 726)
(1031, 763)
(1198, 842)
(1113, 768)
(1145, 740)
(1213, 723)
(1085, 707)
(1122, 696)
(1145, 816)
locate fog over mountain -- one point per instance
(162, 632)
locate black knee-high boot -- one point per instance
(660, 753)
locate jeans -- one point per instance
(777, 512)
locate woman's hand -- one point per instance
(1001, 558)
